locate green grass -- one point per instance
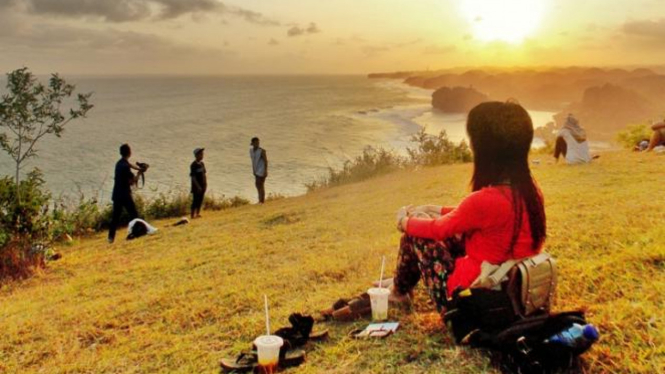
(179, 301)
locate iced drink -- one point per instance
(379, 300)
(268, 351)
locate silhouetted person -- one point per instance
(197, 172)
(571, 143)
(259, 167)
(122, 189)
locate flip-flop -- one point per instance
(249, 361)
(244, 363)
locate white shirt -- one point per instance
(151, 229)
(258, 163)
(576, 153)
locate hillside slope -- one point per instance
(181, 300)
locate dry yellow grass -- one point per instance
(179, 301)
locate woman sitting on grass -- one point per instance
(502, 219)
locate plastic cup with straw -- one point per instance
(268, 346)
(379, 297)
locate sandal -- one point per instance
(351, 310)
(244, 363)
(300, 331)
(249, 361)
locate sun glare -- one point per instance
(505, 20)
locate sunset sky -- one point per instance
(323, 36)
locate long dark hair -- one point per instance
(501, 135)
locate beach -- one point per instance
(307, 124)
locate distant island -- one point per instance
(604, 100)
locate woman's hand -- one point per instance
(424, 211)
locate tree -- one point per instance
(30, 110)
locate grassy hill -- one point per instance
(181, 300)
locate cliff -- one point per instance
(457, 99)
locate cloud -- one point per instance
(646, 28)
(297, 30)
(370, 50)
(439, 50)
(137, 10)
(273, 42)
(312, 28)
(407, 43)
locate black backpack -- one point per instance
(486, 319)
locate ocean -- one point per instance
(307, 124)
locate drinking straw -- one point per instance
(265, 299)
(383, 265)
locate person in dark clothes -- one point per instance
(122, 189)
(197, 172)
(259, 167)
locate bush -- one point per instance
(168, 205)
(24, 225)
(372, 162)
(19, 259)
(430, 150)
(437, 150)
(27, 216)
(633, 134)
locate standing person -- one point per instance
(197, 172)
(122, 189)
(259, 167)
(571, 143)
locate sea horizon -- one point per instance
(308, 124)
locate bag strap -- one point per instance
(494, 276)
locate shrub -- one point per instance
(437, 150)
(633, 134)
(24, 225)
(168, 205)
(372, 162)
(77, 218)
(430, 150)
(19, 258)
(27, 216)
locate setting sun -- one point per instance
(509, 20)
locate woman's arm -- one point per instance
(468, 216)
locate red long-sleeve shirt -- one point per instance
(487, 218)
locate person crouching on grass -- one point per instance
(197, 172)
(502, 219)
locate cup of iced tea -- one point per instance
(268, 351)
(379, 300)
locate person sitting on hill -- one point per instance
(658, 136)
(571, 143)
(502, 219)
